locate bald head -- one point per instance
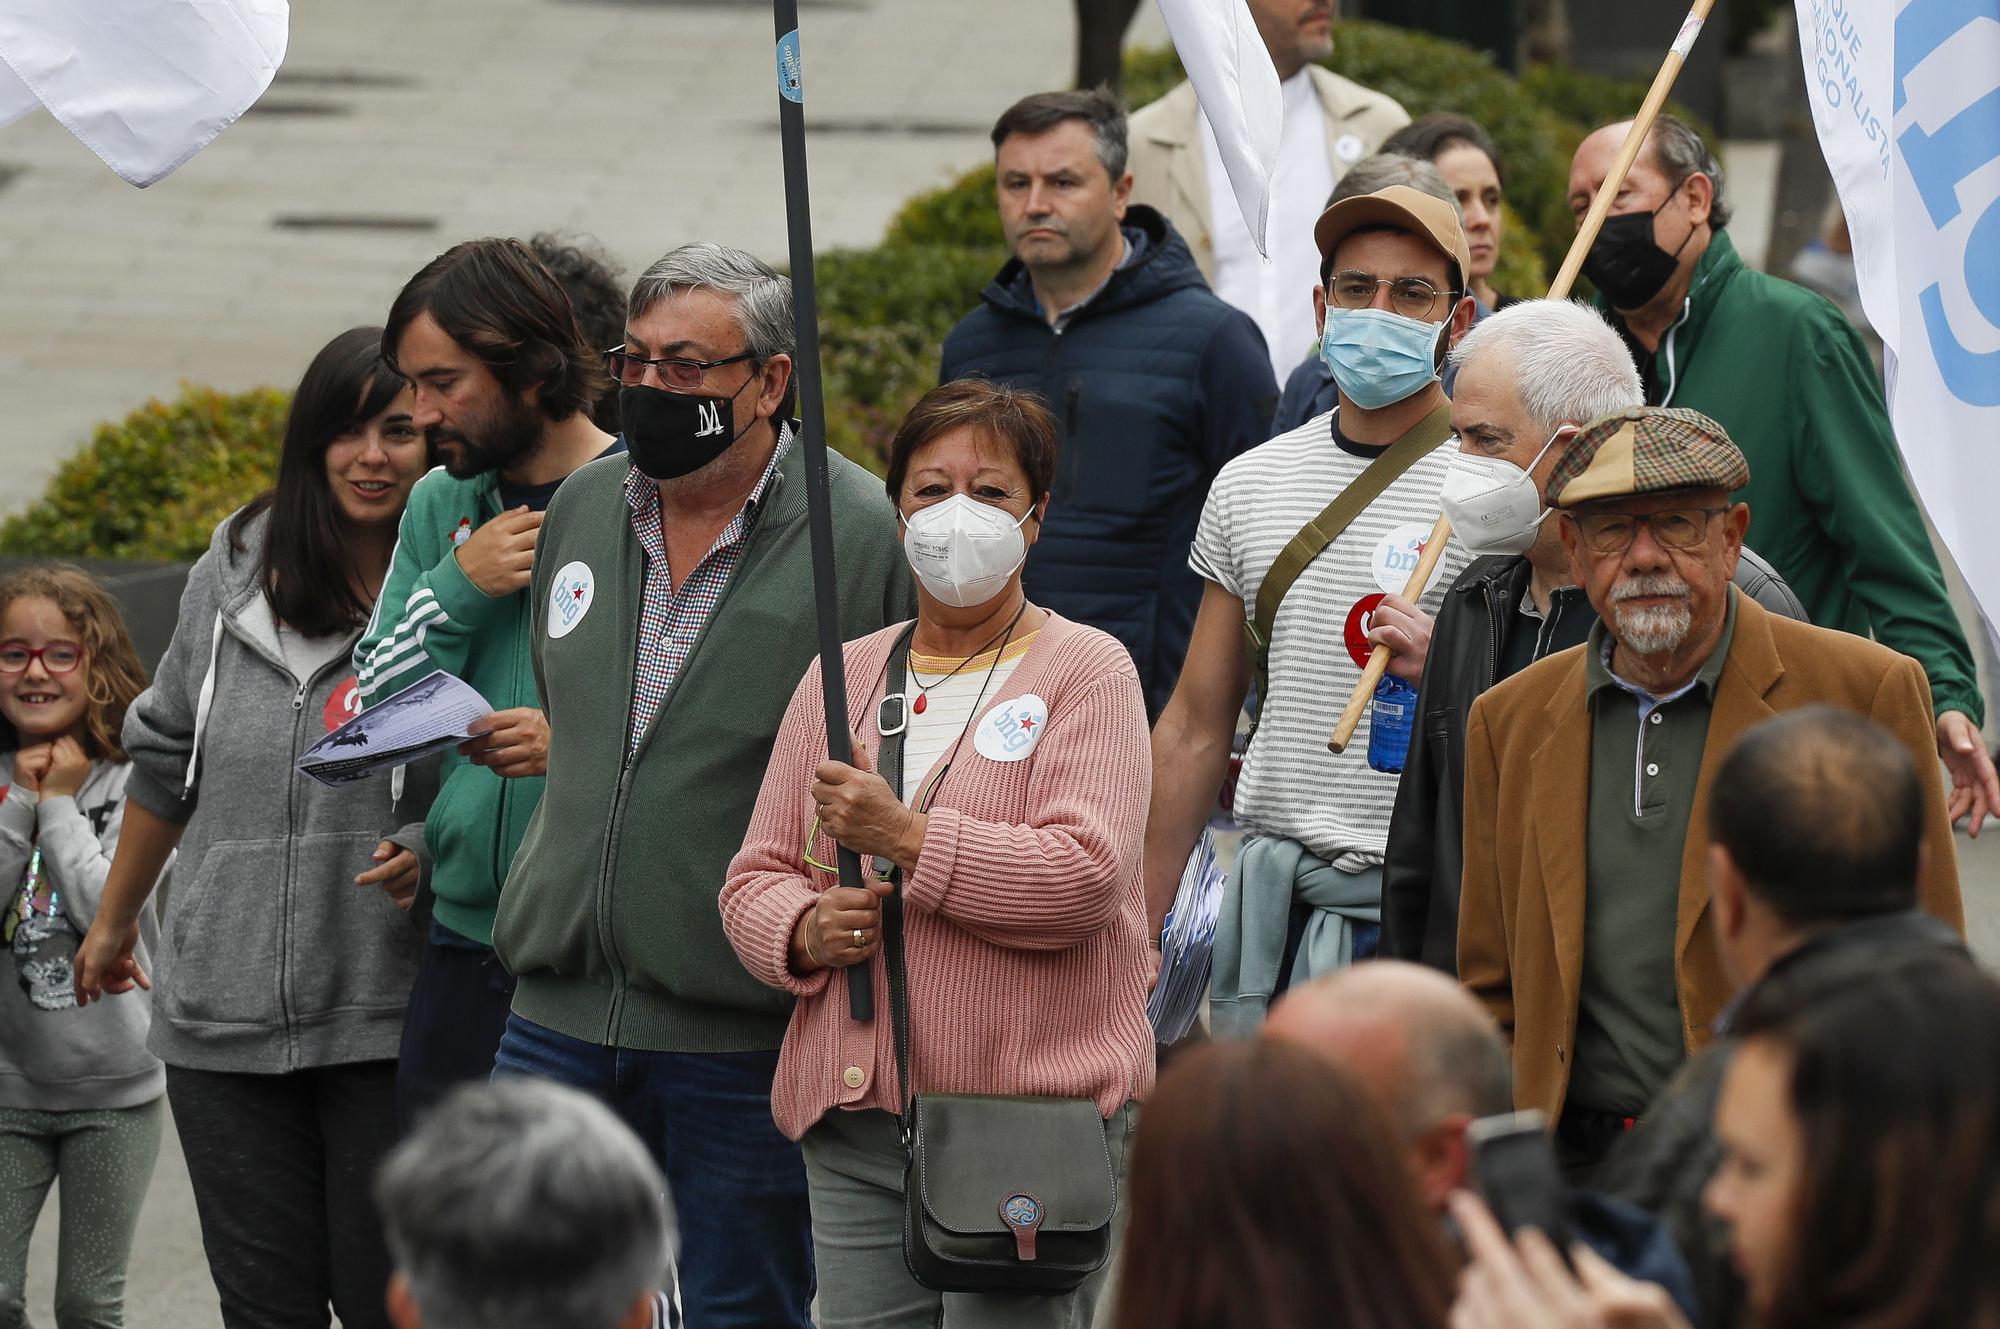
(1425, 1046)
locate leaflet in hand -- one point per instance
(1187, 943)
(432, 714)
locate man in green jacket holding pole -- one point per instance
(1786, 373)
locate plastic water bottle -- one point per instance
(1391, 719)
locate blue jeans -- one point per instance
(738, 1185)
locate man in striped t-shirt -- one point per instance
(1306, 892)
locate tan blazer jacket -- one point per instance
(1527, 795)
(1170, 170)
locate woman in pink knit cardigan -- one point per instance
(1017, 832)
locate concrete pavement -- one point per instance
(394, 130)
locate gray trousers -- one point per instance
(854, 1173)
(104, 1160)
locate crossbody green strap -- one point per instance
(1311, 541)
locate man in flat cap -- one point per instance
(1584, 920)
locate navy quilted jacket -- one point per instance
(1155, 384)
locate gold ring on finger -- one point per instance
(860, 939)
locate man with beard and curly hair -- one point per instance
(1585, 921)
(505, 382)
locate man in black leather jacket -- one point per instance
(1528, 378)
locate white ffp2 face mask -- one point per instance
(964, 551)
(1493, 505)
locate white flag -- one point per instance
(145, 84)
(1237, 86)
(1906, 99)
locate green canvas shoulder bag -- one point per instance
(1003, 1193)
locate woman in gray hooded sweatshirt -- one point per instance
(286, 955)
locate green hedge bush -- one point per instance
(156, 484)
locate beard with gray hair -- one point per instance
(1651, 630)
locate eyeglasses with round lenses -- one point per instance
(676, 372)
(1412, 297)
(58, 657)
(1614, 532)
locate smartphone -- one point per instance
(1515, 1165)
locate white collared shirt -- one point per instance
(1276, 294)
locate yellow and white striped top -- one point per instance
(948, 704)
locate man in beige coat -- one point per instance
(1584, 920)
(1330, 124)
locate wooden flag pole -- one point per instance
(1586, 234)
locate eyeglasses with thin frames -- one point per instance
(58, 657)
(1674, 528)
(1412, 297)
(676, 371)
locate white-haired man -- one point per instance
(1529, 377)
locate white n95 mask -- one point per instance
(1493, 505)
(963, 551)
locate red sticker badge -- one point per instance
(1359, 620)
(343, 705)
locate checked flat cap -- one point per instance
(1647, 450)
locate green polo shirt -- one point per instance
(1645, 757)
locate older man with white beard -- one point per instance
(1584, 922)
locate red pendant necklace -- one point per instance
(918, 706)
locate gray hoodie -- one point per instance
(74, 1059)
(271, 959)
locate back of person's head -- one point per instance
(596, 291)
(1266, 1191)
(522, 1204)
(1883, 1160)
(1098, 109)
(1429, 136)
(1430, 1053)
(1373, 174)
(502, 304)
(307, 548)
(1566, 364)
(1822, 812)
(112, 677)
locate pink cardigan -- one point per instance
(1024, 923)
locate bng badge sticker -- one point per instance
(1012, 729)
(1396, 555)
(569, 598)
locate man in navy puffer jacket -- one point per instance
(1154, 381)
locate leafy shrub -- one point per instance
(154, 485)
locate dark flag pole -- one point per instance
(812, 420)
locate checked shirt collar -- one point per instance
(670, 621)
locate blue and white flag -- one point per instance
(1906, 98)
(145, 84)
(1237, 86)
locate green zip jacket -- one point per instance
(609, 917)
(1830, 506)
(430, 617)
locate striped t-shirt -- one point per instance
(949, 704)
(1291, 786)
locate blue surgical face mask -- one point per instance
(1379, 358)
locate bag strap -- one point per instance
(1311, 541)
(889, 765)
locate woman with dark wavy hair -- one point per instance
(285, 958)
(1267, 1191)
(1860, 1181)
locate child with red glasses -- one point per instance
(79, 1093)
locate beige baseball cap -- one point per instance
(1404, 208)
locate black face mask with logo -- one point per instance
(671, 434)
(1627, 264)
